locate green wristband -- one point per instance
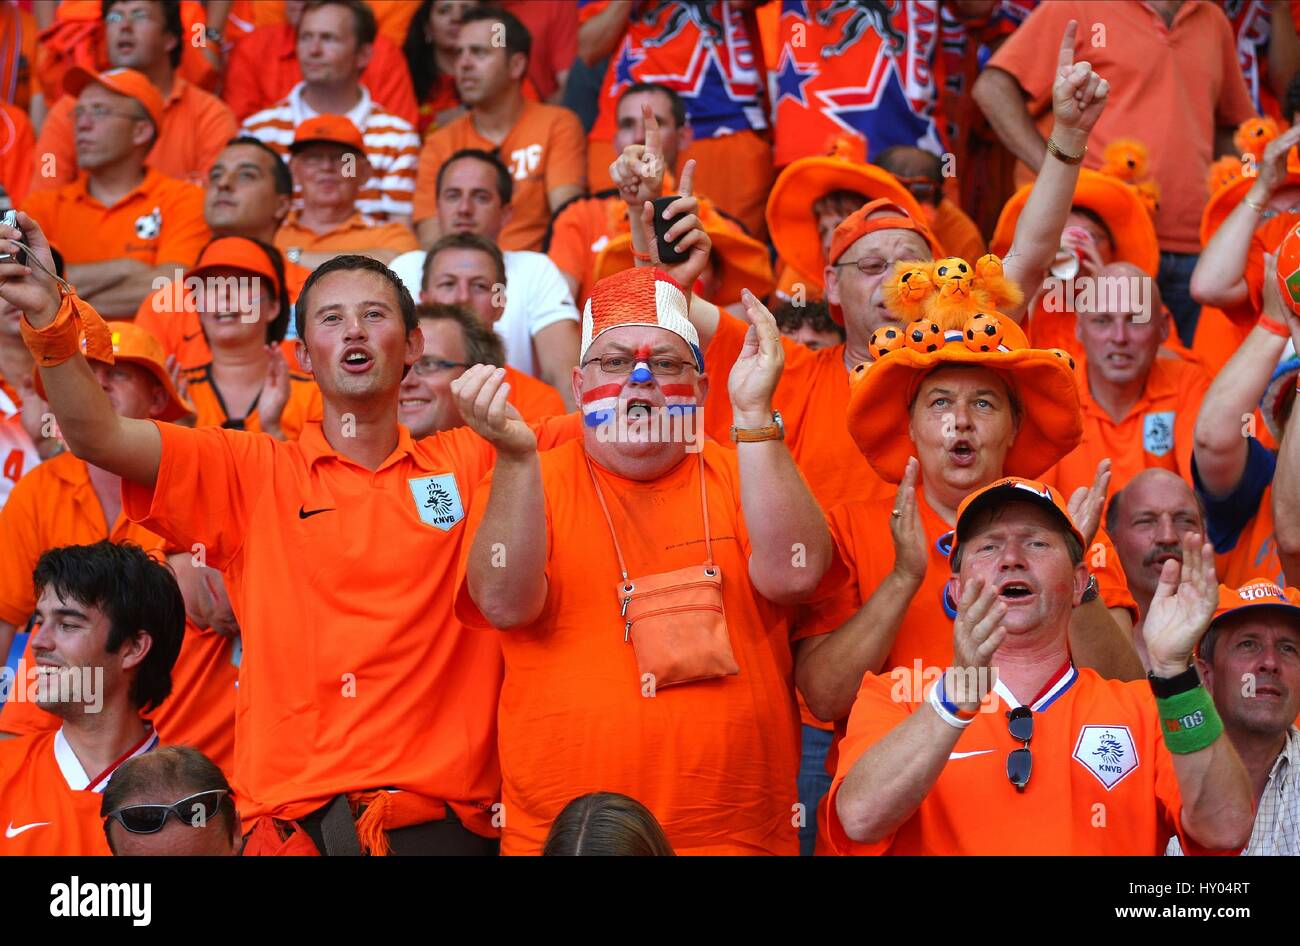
(1188, 721)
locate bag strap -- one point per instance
(704, 507)
(338, 829)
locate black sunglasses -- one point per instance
(1020, 764)
(196, 811)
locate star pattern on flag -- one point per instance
(790, 79)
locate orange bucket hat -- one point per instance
(790, 218)
(137, 346)
(1118, 204)
(743, 261)
(955, 321)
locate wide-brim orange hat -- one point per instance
(126, 82)
(236, 253)
(1225, 200)
(1042, 381)
(1012, 489)
(1116, 203)
(137, 346)
(790, 218)
(743, 262)
(335, 129)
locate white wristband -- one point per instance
(946, 716)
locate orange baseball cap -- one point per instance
(336, 129)
(236, 253)
(1007, 490)
(137, 346)
(859, 223)
(1257, 593)
(126, 82)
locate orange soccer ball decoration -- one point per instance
(1064, 355)
(885, 339)
(1288, 269)
(983, 332)
(924, 336)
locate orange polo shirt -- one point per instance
(177, 326)
(715, 761)
(55, 505)
(50, 816)
(813, 398)
(195, 127)
(533, 399)
(315, 548)
(544, 150)
(304, 404)
(161, 221)
(17, 153)
(358, 232)
(1158, 431)
(1097, 747)
(1190, 68)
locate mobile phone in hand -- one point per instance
(10, 219)
(668, 253)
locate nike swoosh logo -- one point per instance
(12, 832)
(191, 337)
(305, 513)
(967, 755)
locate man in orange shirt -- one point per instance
(1139, 409)
(468, 270)
(455, 340)
(1180, 54)
(264, 66)
(247, 194)
(1014, 748)
(149, 38)
(329, 164)
(398, 750)
(543, 145)
(120, 225)
(107, 630)
(592, 689)
(17, 154)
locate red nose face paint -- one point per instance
(641, 373)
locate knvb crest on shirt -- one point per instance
(1158, 433)
(1107, 752)
(437, 500)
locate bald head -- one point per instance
(1147, 521)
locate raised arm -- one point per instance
(599, 35)
(507, 560)
(1220, 446)
(790, 546)
(1286, 483)
(1078, 97)
(93, 431)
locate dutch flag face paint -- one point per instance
(679, 398)
(600, 404)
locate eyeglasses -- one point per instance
(196, 811)
(1020, 764)
(1270, 213)
(100, 112)
(867, 265)
(138, 15)
(623, 364)
(427, 367)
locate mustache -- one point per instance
(1168, 549)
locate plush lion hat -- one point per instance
(953, 314)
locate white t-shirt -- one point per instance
(536, 296)
(17, 452)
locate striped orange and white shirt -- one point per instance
(392, 145)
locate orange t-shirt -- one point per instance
(813, 398)
(1097, 745)
(44, 802)
(1191, 69)
(304, 404)
(17, 153)
(316, 552)
(195, 127)
(544, 150)
(534, 399)
(1157, 433)
(176, 325)
(161, 221)
(715, 761)
(358, 232)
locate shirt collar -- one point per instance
(75, 775)
(300, 111)
(357, 221)
(147, 183)
(1058, 684)
(1289, 757)
(1160, 383)
(315, 447)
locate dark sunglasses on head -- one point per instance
(196, 811)
(1020, 764)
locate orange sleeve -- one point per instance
(18, 159)
(1103, 561)
(466, 610)
(566, 159)
(55, 151)
(20, 547)
(557, 430)
(875, 714)
(435, 150)
(1022, 53)
(23, 717)
(570, 249)
(185, 231)
(389, 80)
(1195, 385)
(214, 125)
(830, 612)
(227, 468)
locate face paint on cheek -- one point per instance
(600, 404)
(679, 398)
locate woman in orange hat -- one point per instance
(238, 289)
